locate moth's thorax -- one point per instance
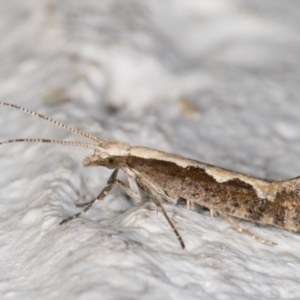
(113, 148)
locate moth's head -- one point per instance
(110, 155)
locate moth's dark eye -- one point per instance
(111, 162)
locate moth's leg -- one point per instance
(131, 193)
(110, 183)
(190, 204)
(83, 204)
(244, 231)
(147, 189)
(160, 205)
(211, 213)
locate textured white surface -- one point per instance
(123, 68)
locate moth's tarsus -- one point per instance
(165, 176)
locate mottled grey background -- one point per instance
(213, 80)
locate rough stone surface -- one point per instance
(215, 80)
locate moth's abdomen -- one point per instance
(268, 202)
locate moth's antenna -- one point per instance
(57, 123)
(68, 143)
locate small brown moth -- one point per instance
(165, 176)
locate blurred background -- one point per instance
(208, 63)
(214, 80)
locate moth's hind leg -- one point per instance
(244, 231)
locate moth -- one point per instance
(169, 177)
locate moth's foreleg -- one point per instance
(110, 183)
(135, 195)
(244, 231)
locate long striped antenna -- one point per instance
(57, 123)
(68, 143)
